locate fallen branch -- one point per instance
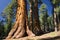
(45, 36)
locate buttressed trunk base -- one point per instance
(21, 24)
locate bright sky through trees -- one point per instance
(4, 3)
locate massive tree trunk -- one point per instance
(18, 29)
(36, 29)
(21, 24)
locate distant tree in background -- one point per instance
(55, 4)
(43, 18)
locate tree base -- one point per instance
(48, 36)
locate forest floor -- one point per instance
(48, 36)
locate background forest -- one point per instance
(45, 21)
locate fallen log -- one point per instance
(44, 36)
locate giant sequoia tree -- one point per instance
(21, 24)
(20, 20)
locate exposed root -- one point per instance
(21, 34)
(16, 33)
(12, 31)
(30, 33)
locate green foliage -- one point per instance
(1, 29)
(55, 1)
(43, 12)
(46, 21)
(42, 7)
(50, 23)
(9, 15)
(43, 17)
(10, 9)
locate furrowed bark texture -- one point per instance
(19, 28)
(21, 24)
(36, 28)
